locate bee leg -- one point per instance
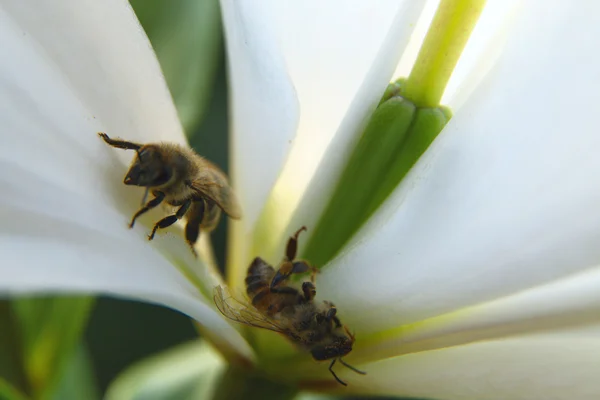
(292, 245)
(313, 273)
(288, 268)
(333, 373)
(309, 291)
(282, 274)
(119, 144)
(338, 324)
(160, 196)
(192, 228)
(300, 267)
(171, 219)
(358, 371)
(330, 315)
(145, 196)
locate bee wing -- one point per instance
(238, 311)
(213, 184)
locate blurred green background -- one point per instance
(187, 38)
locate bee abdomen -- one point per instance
(261, 268)
(254, 288)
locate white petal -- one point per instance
(559, 366)
(357, 46)
(61, 186)
(570, 302)
(504, 200)
(46, 254)
(108, 63)
(264, 105)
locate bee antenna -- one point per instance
(333, 373)
(358, 371)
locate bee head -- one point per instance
(148, 169)
(339, 346)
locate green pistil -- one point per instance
(396, 136)
(443, 45)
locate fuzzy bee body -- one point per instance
(264, 298)
(278, 306)
(177, 176)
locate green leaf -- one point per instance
(396, 136)
(12, 369)
(51, 329)
(77, 380)
(186, 36)
(187, 372)
(9, 392)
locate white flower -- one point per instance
(477, 279)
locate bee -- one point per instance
(281, 308)
(176, 175)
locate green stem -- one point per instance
(447, 36)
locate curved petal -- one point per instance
(61, 186)
(570, 302)
(264, 105)
(569, 305)
(559, 366)
(505, 199)
(105, 57)
(357, 46)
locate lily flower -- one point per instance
(476, 279)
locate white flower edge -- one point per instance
(264, 106)
(557, 365)
(64, 207)
(569, 302)
(93, 45)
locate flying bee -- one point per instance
(178, 176)
(281, 308)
